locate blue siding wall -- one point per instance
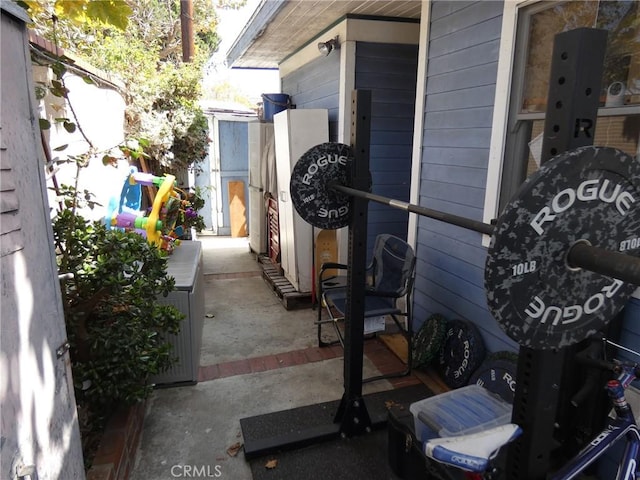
(316, 85)
(461, 75)
(389, 71)
(234, 165)
(630, 333)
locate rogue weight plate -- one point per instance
(462, 352)
(498, 375)
(310, 186)
(428, 341)
(589, 194)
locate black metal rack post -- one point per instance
(352, 417)
(352, 413)
(572, 110)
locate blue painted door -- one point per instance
(234, 166)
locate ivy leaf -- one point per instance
(41, 92)
(44, 124)
(69, 126)
(59, 69)
(57, 89)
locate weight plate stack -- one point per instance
(498, 374)
(462, 353)
(429, 339)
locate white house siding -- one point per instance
(98, 110)
(464, 39)
(38, 417)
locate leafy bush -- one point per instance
(115, 324)
(190, 218)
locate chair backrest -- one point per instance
(393, 264)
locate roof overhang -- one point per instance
(279, 28)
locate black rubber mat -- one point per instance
(335, 458)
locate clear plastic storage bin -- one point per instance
(466, 410)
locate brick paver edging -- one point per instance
(384, 360)
(115, 456)
(268, 362)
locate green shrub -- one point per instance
(115, 324)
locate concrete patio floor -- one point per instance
(257, 357)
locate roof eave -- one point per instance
(254, 28)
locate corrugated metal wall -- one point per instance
(461, 76)
(389, 71)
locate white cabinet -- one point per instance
(296, 131)
(260, 135)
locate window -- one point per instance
(618, 122)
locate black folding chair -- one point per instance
(390, 277)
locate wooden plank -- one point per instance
(462, 157)
(432, 379)
(446, 174)
(472, 97)
(326, 251)
(461, 79)
(282, 288)
(467, 118)
(297, 300)
(467, 58)
(465, 19)
(397, 344)
(237, 209)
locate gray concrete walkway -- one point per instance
(256, 358)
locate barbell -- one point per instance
(562, 260)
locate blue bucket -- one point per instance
(273, 103)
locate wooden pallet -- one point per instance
(284, 290)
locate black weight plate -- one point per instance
(498, 375)
(589, 194)
(428, 341)
(462, 352)
(310, 186)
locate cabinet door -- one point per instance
(296, 131)
(283, 174)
